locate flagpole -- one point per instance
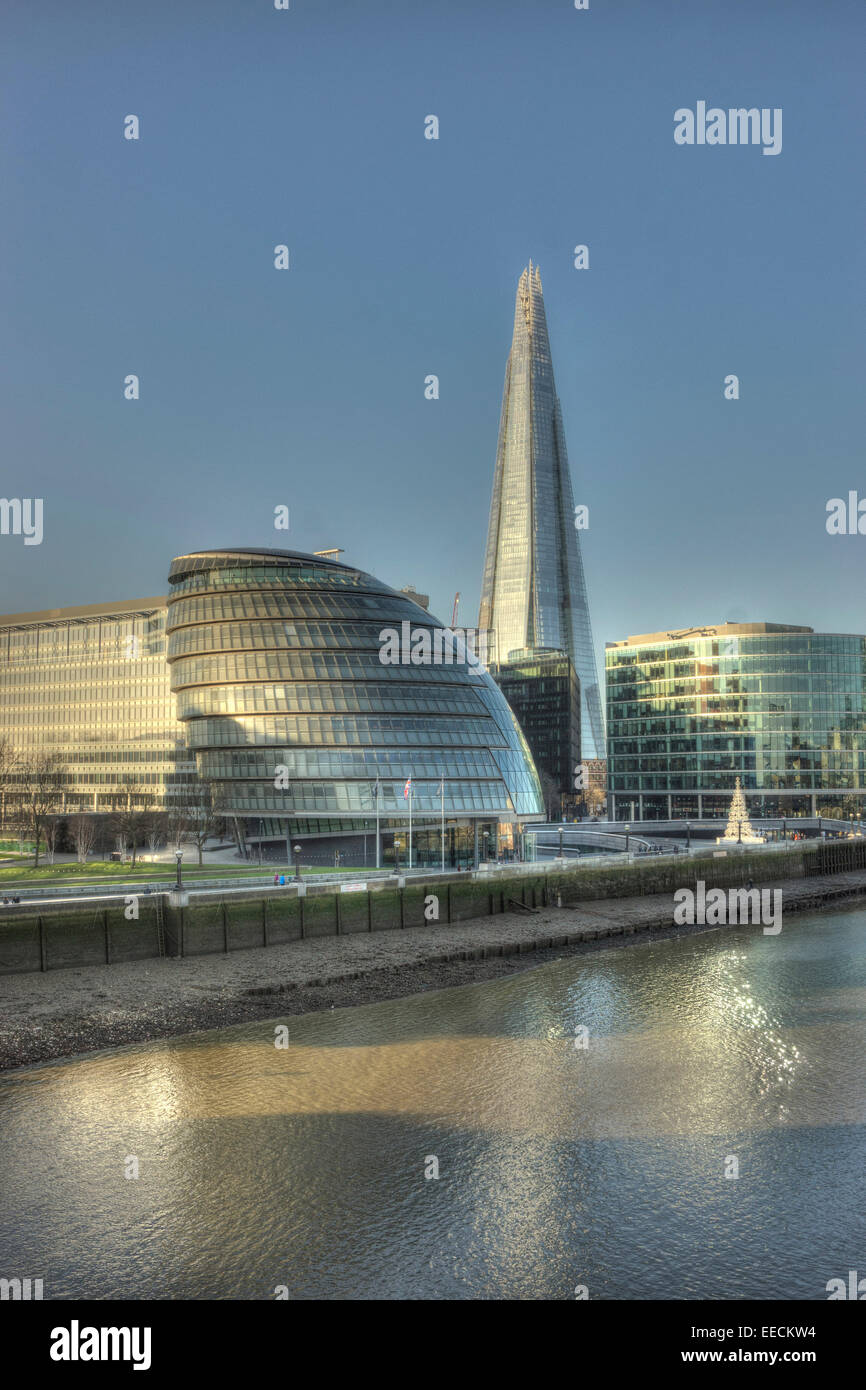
(442, 795)
(376, 795)
(411, 794)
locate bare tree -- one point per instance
(596, 791)
(53, 835)
(83, 833)
(155, 832)
(177, 821)
(19, 820)
(42, 780)
(8, 765)
(550, 793)
(200, 806)
(129, 821)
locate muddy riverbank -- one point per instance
(68, 1012)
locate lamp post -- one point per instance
(627, 829)
(688, 836)
(297, 853)
(178, 854)
(739, 832)
(376, 799)
(561, 828)
(396, 855)
(785, 829)
(486, 834)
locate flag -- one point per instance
(408, 786)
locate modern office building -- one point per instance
(543, 691)
(91, 685)
(261, 675)
(781, 707)
(276, 662)
(533, 590)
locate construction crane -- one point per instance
(454, 609)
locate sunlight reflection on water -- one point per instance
(559, 1164)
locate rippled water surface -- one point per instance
(558, 1165)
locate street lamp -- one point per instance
(396, 855)
(739, 832)
(178, 854)
(296, 849)
(486, 834)
(627, 829)
(785, 829)
(561, 828)
(688, 835)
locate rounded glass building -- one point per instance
(782, 708)
(296, 710)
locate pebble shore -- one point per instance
(65, 1013)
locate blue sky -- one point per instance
(306, 387)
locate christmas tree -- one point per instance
(739, 825)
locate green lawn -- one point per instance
(98, 871)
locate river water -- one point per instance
(560, 1165)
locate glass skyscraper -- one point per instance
(544, 693)
(782, 708)
(533, 591)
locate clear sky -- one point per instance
(306, 387)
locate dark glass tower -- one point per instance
(533, 592)
(543, 690)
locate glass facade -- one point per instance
(91, 685)
(543, 690)
(533, 590)
(274, 660)
(782, 708)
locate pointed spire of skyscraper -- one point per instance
(533, 592)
